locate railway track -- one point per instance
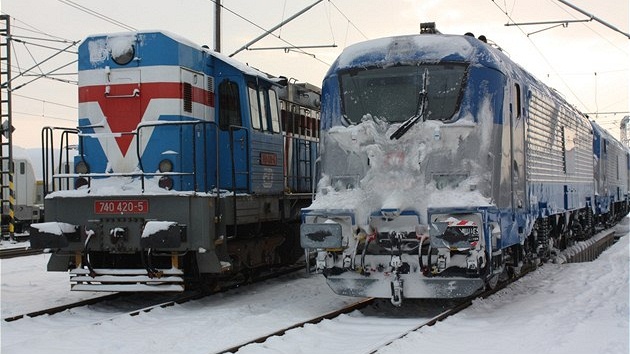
(161, 303)
(430, 312)
(330, 315)
(361, 316)
(582, 251)
(6, 253)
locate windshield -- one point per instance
(392, 93)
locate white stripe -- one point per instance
(160, 73)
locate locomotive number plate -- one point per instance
(121, 206)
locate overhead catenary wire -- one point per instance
(45, 116)
(593, 17)
(97, 15)
(18, 40)
(540, 53)
(36, 71)
(33, 29)
(348, 19)
(565, 10)
(270, 31)
(262, 28)
(44, 75)
(44, 101)
(41, 62)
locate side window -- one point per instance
(517, 93)
(273, 110)
(263, 109)
(229, 105)
(263, 106)
(253, 106)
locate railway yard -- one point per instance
(558, 308)
(421, 193)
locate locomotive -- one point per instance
(446, 167)
(28, 193)
(191, 168)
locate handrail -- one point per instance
(48, 157)
(194, 124)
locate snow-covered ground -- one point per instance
(577, 308)
(570, 308)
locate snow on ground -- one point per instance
(571, 308)
(578, 308)
(27, 287)
(203, 326)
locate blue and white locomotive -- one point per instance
(191, 166)
(446, 166)
(611, 177)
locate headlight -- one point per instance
(81, 167)
(123, 56)
(166, 166)
(166, 183)
(80, 182)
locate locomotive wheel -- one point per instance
(494, 279)
(208, 283)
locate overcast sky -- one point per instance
(587, 62)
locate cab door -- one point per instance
(233, 136)
(517, 147)
(519, 201)
(267, 157)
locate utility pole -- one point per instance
(217, 26)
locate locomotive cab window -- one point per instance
(517, 94)
(254, 109)
(274, 111)
(229, 105)
(262, 102)
(397, 93)
(263, 107)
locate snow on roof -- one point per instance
(118, 42)
(400, 49)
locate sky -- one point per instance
(587, 62)
(578, 308)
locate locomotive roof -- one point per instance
(435, 48)
(411, 49)
(101, 44)
(600, 132)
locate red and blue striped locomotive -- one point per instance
(190, 166)
(446, 167)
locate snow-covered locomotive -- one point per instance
(191, 166)
(445, 166)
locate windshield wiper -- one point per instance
(420, 109)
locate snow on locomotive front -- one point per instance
(421, 195)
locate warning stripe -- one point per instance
(462, 223)
(11, 206)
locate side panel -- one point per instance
(266, 163)
(559, 156)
